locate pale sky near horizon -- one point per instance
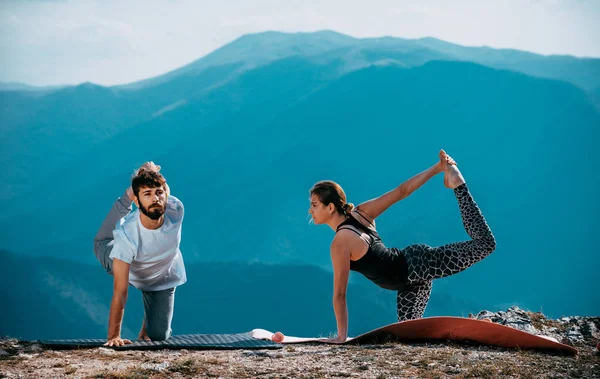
(48, 42)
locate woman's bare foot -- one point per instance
(452, 176)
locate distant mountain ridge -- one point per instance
(254, 50)
(265, 47)
(17, 86)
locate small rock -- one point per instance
(26, 356)
(184, 351)
(251, 353)
(155, 366)
(106, 351)
(520, 323)
(518, 311)
(486, 314)
(574, 334)
(566, 341)
(36, 348)
(3, 352)
(589, 329)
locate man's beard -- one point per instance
(154, 212)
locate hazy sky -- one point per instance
(108, 42)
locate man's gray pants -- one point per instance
(158, 305)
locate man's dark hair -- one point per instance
(148, 179)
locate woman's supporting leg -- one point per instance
(426, 263)
(412, 300)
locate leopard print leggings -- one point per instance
(426, 263)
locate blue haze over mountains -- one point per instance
(243, 133)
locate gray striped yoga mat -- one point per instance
(188, 341)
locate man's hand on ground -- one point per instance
(117, 341)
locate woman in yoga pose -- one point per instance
(410, 271)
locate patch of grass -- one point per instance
(340, 374)
(513, 370)
(539, 321)
(70, 370)
(480, 372)
(12, 359)
(8, 342)
(453, 360)
(242, 372)
(452, 370)
(136, 373)
(11, 351)
(187, 367)
(433, 375)
(422, 363)
(363, 359)
(379, 347)
(51, 354)
(577, 373)
(261, 374)
(212, 360)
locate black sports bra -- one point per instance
(384, 266)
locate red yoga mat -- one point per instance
(444, 328)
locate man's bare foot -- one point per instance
(452, 176)
(143, 335)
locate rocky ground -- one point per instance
(19, 359)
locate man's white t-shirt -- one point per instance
(155, 260)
